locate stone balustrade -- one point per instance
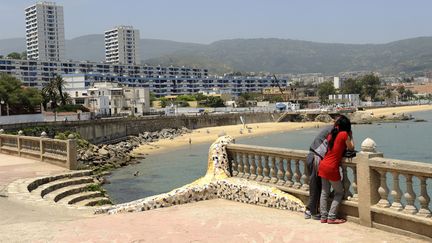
(368, 200)
(55, 151)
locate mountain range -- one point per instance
(266, 55)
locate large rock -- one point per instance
(324, 118)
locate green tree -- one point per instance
(24, 55)
(164, 102)
(251, 96)
(152, 97)
(352, 86)
(241, 101)
(214, 101)
(370, 85)
(200, 97)
(14, 55)
(186, 98)
(274, 98)
(388, 94)
(17, 98)
(324, 90)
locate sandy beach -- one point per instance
(403, 109)
(210, 134)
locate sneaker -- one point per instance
(307, 214)
(335, 221)
(323, 221)
(316, 216)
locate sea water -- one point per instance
(163, 172)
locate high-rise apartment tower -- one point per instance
(122, 45)
(45, 32)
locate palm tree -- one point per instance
(59, 83)
(49, 93)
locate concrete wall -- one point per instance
(99, 131)
(21, 118)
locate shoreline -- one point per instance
(210, 134)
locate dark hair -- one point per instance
(342, 123)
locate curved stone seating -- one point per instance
(72, 189)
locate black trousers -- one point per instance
(314, 183)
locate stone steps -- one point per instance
(97, 201)
(44, 180)
(75, 198)
(67, 191)
(72, 189)
(58, 184)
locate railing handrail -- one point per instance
(283, 152)
(24, 138)
(367, 197)
(63, 155)
(403, 166)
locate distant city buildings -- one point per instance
(45, 36)
(122, 45)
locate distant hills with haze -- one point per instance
(269, 54)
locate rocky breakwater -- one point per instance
(368, 117)
(108, 156)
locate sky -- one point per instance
(206, 21)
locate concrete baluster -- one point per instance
(1, 139)
(297, 183)
(409, 196)
(354, 184)
(288, 174)
(246, 166)
(396, 193)
(273, 170)
(424, 199)
(346, 182)
(383, 191)
(305, 177)
(18, 142)
(259, 160)
(240, 165)
(234, 164)
(252, 167)
(266, 169)
(281, 171)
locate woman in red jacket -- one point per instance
(339, 139)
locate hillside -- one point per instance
(293, 56)
(271, 55)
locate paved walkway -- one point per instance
(207, 221)
(13, 168)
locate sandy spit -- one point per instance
(210, 134)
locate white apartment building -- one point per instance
(337, 83)
(107, 98)
(122, 45)
(45, 36)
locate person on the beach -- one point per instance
(339, 139)
(317, 150)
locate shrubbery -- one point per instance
(71, 108)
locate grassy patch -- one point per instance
(95, 188)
